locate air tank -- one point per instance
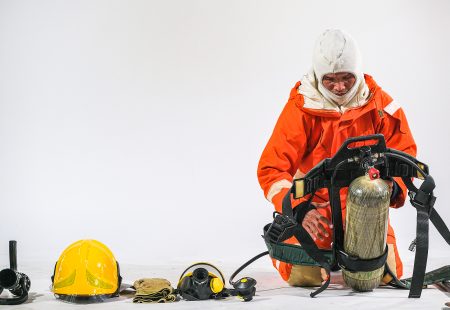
(367, 210)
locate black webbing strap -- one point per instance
(336, 217)
(312, 250)
(423, 200)
(286, 207)
(356, 264)
(421, 256)
(304, 238)
(440, 225)
(396, 282)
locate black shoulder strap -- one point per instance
(422, 199)
(304, 238)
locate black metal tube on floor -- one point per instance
(13, 255)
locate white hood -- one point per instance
(314, 99)
(336, 51)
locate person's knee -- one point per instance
(394, 263)
(305, 276)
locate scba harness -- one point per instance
(338, 172)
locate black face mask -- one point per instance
(200, 284)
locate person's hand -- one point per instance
(315, 223)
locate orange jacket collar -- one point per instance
(347, 115)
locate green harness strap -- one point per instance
(294, 254)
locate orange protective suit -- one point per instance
(303, 137)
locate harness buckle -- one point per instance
(422, 200)
(282, 228)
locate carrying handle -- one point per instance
(378, 137)
(346, 152)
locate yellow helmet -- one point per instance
(85, 269)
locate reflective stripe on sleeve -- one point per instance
(277, 187)
(298, 174)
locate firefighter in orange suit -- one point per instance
(332, 102)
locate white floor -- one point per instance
(272, 292)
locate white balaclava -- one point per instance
(336, 51)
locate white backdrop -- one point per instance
(141, 123)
